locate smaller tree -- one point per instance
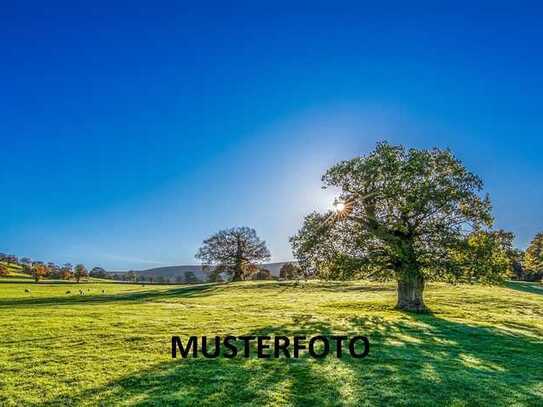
(290, 271)
(55, 271)
(39, 271)
(233, 251)
(98, 272)
(80, 271)
(67, 271)
(533, 258)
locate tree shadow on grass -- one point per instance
(525, 287)
(138, 296)
(321, 285)
(414, 360)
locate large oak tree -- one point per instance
(233, 251)
(405, 214)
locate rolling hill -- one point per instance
(172, 273)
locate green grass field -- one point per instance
(482, 345)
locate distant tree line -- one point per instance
(39, 270)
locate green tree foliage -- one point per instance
(80, 271)
(517, 257)
(484, 257)
(55, 271)
(404, 214)
(290, 271)
(233, 251)
(533, 258)
(98, 272)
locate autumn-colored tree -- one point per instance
(3, 270)
(39, 271)
(402, 215)
(233, 251)
(80, 271)
(66, 271)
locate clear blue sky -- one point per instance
(130, 133)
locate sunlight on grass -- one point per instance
(111, 345)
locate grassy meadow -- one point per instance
(111, 346)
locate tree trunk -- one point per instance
(238, 268)
(238, 271)
(237, 276)
(410, 291)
